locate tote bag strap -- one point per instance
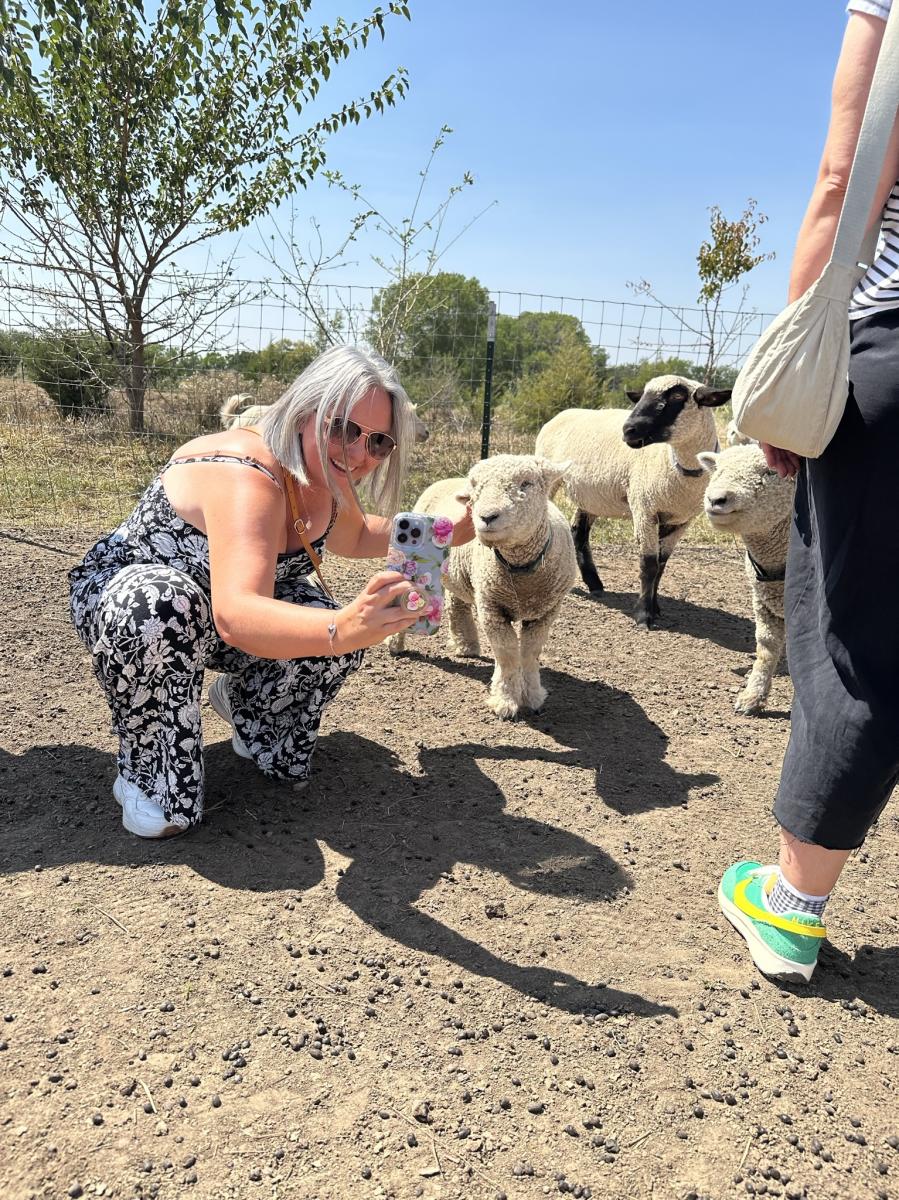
(853, 246)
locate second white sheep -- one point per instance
(517, 571)
(744, 496)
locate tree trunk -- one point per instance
(136, 377)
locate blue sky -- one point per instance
(601, 131)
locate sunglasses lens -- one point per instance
(380, 445)
(344, 431)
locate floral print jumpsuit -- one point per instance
(140, 602)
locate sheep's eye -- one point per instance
(660, 406)
(525, 484)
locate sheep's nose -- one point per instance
(717, 500)
(488, 518)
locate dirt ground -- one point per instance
(476, 959)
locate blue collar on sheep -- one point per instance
(525, 568)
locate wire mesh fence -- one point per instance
(84, 426)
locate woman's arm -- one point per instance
(851, 85)
(814, 245)
(244, 523)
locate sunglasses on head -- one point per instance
(377, 445)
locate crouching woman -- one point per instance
(214, 569)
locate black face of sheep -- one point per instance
(655, 412)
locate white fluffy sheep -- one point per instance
(745, 496)
(517, 570)
(640, 464)
(237, 412)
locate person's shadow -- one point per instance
(868, 975)
(404, 834)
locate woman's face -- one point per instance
(374, 413)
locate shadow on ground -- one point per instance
(402, 832)
(714, 625)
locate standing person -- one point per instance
(211, 570)
(842, 760)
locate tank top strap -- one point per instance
(244, 460)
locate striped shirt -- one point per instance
(878, 288)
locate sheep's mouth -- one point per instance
(721, 516)
(637, 440)
(488, 536)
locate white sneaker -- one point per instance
(141, 815)
(218, 698)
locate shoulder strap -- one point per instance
(851, 244)
(300, 525)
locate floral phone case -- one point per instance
(419, 549)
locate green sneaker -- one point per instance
(782, 946)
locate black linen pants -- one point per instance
(842, 610)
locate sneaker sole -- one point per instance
(770, 964)
(236, 743)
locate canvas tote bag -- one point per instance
(792, 389)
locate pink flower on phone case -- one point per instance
(442, 531)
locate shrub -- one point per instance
(75, 371)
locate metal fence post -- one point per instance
(488, 379)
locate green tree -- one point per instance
(446, 318)
(566, 380)
(128, 136)
(633, 376)
(527, 343)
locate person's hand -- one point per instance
(463, 528)
(374, 615)
(784, 462)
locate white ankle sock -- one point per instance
(784, 898)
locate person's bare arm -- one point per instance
(244, 518)
(359, 535)
(851, 85)
(814, 245)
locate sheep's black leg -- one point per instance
(669, 536)
(583, 523)
(649, 571)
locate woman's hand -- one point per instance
(374, 615)
(463, 528)
(784, 462)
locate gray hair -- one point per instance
(327, 390)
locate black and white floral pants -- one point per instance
(150, 631)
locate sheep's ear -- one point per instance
(707, 460)
(633, 396)
(711, 397)
(464, 495)
(553, 471)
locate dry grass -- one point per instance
(86, 475)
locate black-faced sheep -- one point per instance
(744, 496)
(517, 571)
(640, 464)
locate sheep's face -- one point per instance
(668, 404)
(743, 494)
(508, 495)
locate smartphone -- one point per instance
(419, 549)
